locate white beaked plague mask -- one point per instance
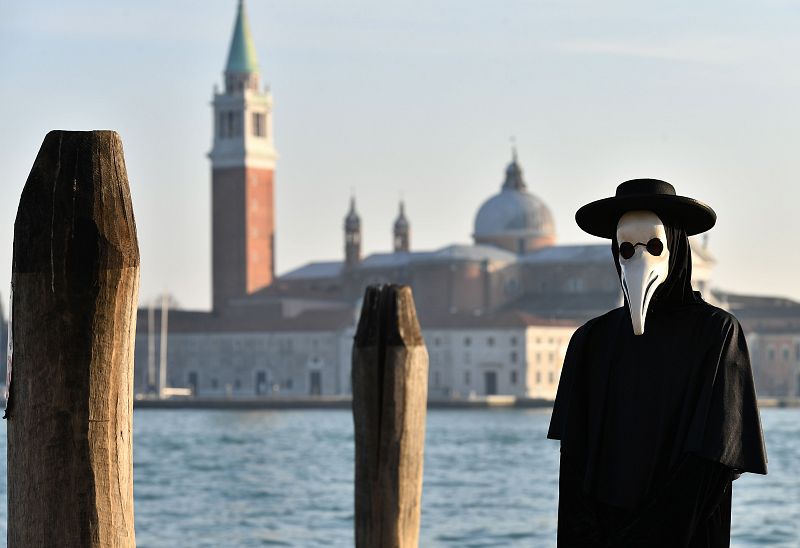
(643, 260)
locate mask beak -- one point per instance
(642, 272)
(640, 278)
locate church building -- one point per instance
(496, 314)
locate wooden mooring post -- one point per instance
(390, 389)
(75, 281)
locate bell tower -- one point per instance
(242, 175)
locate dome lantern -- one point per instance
(514, 219)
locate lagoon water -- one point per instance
(285, 478)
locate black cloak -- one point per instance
(654, 427)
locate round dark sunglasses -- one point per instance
(654, 247)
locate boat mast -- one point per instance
(162, 362)
(150, 373)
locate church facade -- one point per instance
(497, 314)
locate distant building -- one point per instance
(242, 175)
(497, 314)
(772, 327)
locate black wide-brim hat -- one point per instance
(600, 218)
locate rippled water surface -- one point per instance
(264, 478)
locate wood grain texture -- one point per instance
(75, 281)
(390, 390)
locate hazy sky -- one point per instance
(419, 98)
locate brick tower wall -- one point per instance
(260, 229)
(243, 232)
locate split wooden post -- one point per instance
(75, 282)
(390, 389)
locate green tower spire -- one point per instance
(242, 57)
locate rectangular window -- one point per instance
(538, 377)
(221, 125)
(259, 124)
(490, 341)
(315, 383)
(513, 357)
(466, 377)
(786, 354)
(513, 377)
(261, 382)
(797, 352)
(551, 377)
(229, 129)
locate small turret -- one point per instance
(514, 180)
(402, 231)
(352, 236)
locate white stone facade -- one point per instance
(249, 364)
(518, 361)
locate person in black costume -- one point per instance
(654, 423)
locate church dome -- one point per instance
(514, 219)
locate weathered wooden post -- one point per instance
(75, 281)
(390, 389)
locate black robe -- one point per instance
(654, 428)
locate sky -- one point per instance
(420, 99)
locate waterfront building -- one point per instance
(497, 314)
(513, 354)
(772, 326)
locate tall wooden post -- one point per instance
(75, 281)
(390, 389)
